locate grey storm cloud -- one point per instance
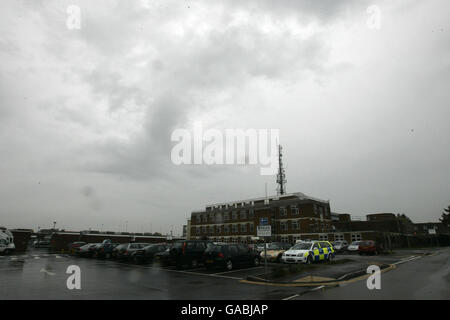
(89, 113)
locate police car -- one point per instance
(309, 252)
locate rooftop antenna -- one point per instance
(281, 176)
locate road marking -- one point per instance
(47, 272)
(37, 257)
(411, 258)
(185, 272)
(237, 270)
(317, 288)
(291, 297)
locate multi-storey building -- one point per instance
(292, 217)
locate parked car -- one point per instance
(354, 246)
(189, 252)
(230, 255)
(369, 247)
(147, 254)
(163, 257)
(87, 250)
(104, 250)
(275, 250)
(340, 245)
(42, 243)
(74, 247)
(309, 252)
(7, 245)
(125, 251)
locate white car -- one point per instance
(354, 246)
(307, 252)
(6, 241)
(340, 245)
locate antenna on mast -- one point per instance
(281, 176)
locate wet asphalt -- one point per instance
(38, 274)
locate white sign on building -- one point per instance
(264, 231)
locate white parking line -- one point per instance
(291, 297)
(411, 258)
(317, 288)
(185, 272)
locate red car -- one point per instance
(368, 247)
(74, 247)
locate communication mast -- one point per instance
(281, 176)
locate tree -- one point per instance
(445, 219)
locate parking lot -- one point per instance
(42, 275)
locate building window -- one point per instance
(243, 214)
(243, 228)
(234, 215)
(295, 224)
(356, 237)
(283, 226)
(251, 213)
(283, 211)
(203, 229)
(199, 230)
(294, 210)
(235, 228)
(323, 237)
(339, 237)
(218, 229)
(284, 239)
(205, 218)
(315, 209)
(211, 230)
(199, 219)
(252, 228)
(226, 229)
(226, 216)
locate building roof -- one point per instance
(298, 195)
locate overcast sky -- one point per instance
(86, 115)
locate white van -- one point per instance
(6, 241)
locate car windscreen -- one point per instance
(302, 246)
(178, 245)
(273, 246)
(355, 243)
(214, 248)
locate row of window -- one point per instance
(234, 228)
(218, 217)
(242, 214)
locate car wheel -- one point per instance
(256, 262)
(229, 265)
(309, 260)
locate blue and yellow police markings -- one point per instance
(322, 253)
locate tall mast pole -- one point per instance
(281, 176)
